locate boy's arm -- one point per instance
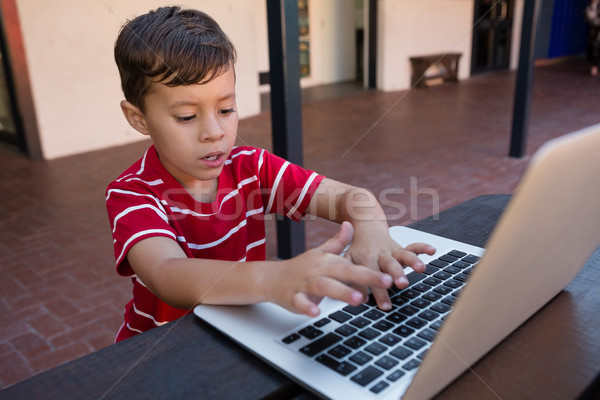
(372, 245)
(297, 284)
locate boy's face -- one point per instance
(193, 129)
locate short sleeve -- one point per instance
(288, 188)
(134, 215)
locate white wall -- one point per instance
(416, 27)
(332, 36)
(74, 80)
(332, 42)
(75, 83)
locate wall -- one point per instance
(332, 42)
(415, 27)
(332, 31)
(75, 83)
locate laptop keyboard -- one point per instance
(375, 348)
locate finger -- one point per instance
(334, 289)
(303, 305)
(345, 271)
(338, 243)
(421, 248)
(408, 257)
(391, 265)
(382, 298)
(364, 290)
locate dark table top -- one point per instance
(555, 354)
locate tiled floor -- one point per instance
(419, 151)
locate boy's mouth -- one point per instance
(212, 156)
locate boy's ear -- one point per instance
(135, 117)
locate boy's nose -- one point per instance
(211, 131)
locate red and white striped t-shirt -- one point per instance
(146, 201)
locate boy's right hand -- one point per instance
(302, 282)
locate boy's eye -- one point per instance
(187, 118)
(226, 111)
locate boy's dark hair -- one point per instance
(172, 46)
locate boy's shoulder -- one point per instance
(238, 151)
(145, 172)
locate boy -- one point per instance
(188, 218)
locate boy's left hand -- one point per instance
(376, 249)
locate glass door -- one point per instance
(492, 33)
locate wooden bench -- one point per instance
(445, 63)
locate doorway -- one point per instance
(492, 33)
(9, 130)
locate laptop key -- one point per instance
(449, 300)
(439, 263)
(386, 362)
(310, 332)
(412, 364)
(355, 310)
(361, 358)
(403, 331)
(291, 338)
(340, 316)
(432, 296)
(429, 315)
(432, 281)
(396, 318)
(430, 269)
(421, 303)
(417, 323)
(401, 352)
(394, 376)
(322, 322)
(342, 367)
(461, 264)
(410, 294)
(441, 307)
(448, 258)
(367, 376)
(355, 342)
(375, 348)
(427, 334)
(339, 351)
(442, 275)
(321, 344)
(390, 339)
(379, 386)
(415, 343)
(443, 289)
(453, 283)
(414, 277)
(421, 287)
(346, 330)
(383, 325)
(451, 269)
(471, 259)
(374, 314)
(457, 253)
(360, 322)
(369, 333)
(409, 310)
(436, 325)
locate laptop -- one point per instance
(468, 300)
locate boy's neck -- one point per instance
(204, 192)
